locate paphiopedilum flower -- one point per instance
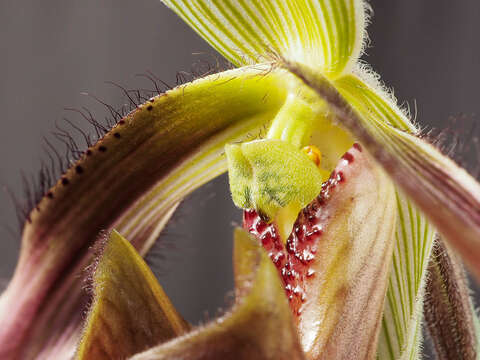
(350, 232)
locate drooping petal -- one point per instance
(260, 325)
(449, 312)
(401, 333)
(145, 165)
(447, 194)
(326, 34)
(130, 310)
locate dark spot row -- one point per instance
(78, 168)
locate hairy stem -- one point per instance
(448, 311)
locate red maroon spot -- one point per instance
(349, 157)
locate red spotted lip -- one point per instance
(296, 259)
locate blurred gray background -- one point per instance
(53, 50)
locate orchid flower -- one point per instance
(343, 200)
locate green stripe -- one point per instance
(211, 37)
(344, 16)
(406, 252)
(234, 19)
(401, 290)
(412, 244)
(319, 32)
(394, 309)
(339, 31)
(258, 23)
(217, 23)
(387, 336)
(419, 247)
(280, 29)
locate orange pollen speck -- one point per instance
(313, 153)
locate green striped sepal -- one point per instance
(326, 34)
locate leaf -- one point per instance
(132, 179)
(325, 34)
(130, 310)
(260, 325)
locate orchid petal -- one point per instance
(444, 192)
(326, 34)
(130, 310)
(260, 325)
(146, 164)
(401, 331)
(346, 282)
(259, 89)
